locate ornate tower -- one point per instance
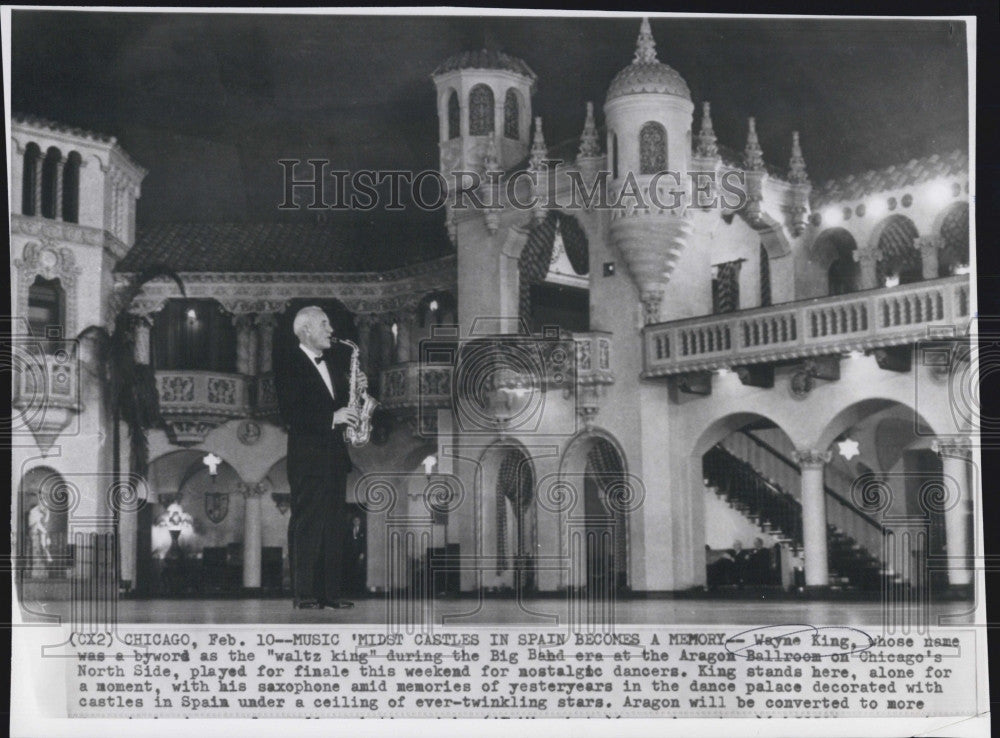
(483, 96)
(648, 113)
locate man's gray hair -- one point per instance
(306, 316)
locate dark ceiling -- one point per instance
(208, 103)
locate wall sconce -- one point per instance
(429, 464)
(848, 448)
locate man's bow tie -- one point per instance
(318, 360)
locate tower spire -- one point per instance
(797, 165)
(538, 149)
(589, 147)
(645, 46)
(707, 147)
(752, 154)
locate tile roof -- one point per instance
(485, 59)
(334, 246)
(51, 125)
(915, 171)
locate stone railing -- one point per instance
(410, 385)
(859, 321)
(193, 402)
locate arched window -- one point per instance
(765, 277)
(46, 306)
(71, 189)
(511, 115)
(955, 232)
(652, 148)
(454, 116)
(614, 156)
(30, 179)
(898, 257)
(50, 177)
(480, 111)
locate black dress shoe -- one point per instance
(340, 605)
(308, 605)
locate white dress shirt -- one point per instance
(321, 367)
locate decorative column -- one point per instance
(253, 532)
(405, 318)
(811, 463)
(142, 353)
(956, 454)
(387, 349)
(929, 249)
(363, 323)
(57, 205)
(266, 323)
(246, 345)
(867, 259)
(39, 165)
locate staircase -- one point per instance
(756, 479)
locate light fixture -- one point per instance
(723, 371)
(192, 314)
(433, 306)
(939, 193)
(831, 216)
(855, 354)
(961, 269)
(212, 462)
(848, 448)
(892, 280)
(430, 464)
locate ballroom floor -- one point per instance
(534, 612)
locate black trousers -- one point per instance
(316, 532)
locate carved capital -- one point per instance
(249, 491)
(810, 458)
(955, 447)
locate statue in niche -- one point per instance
(38, 535)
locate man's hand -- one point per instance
(345, 416)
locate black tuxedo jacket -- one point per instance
(315, 447)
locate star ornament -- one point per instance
(848, 448)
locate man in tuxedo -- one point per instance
(313, 388)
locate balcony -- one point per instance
(45, 392)
(892, 316)
(410, 385)
(193, 402)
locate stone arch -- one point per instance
(512, 114)
(893, 243)
(833, 251)
(592, 480)
(952, 224)
(31, 180)
(51, 166)
(652, 148)
(71, 188)
(193, 334)
(503, 458)
(454, 114)
(481, 110)
(536, 256)
(45, 502)
(852, 414)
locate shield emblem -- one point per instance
(216, 506)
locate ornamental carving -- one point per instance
(811, 458)
(221, 391)
(48, 260)
(176, 389)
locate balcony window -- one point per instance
(194, 334)
(555, 304)
(46, 307)
(726, 287)
(511, 116)
(454, 116)
(652, 148)
(29, 179)
(481, 111)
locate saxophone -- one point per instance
(361, 402)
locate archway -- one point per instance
(834, 251)
(45, 503)
(898, 256)
(899, 494)
(509, 517)
(954, 229)
(753, 516)
(596, 518)
(190, 537)
(541, 302)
